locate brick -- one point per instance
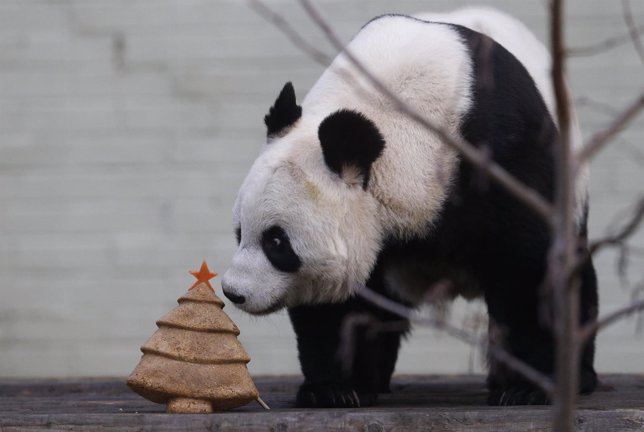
(126, 129)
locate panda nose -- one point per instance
(237, 299)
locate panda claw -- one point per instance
(331, 395)
(518, 396)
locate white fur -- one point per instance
(427, 66)
(512, 34)
(336, 228)
(316, 209)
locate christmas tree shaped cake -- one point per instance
(194, 362)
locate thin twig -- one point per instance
(500, 354)
(603, 137)
(604, 45)
(280, 23)
(623, 234)
(592, 328)
(633, 30)
(617, 239)
(348, 344)
(262, 403)
(478, 158)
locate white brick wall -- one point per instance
(126, 127)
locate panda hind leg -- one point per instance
(589, 310)
(516, 326)
(508, 387)
(516, 323)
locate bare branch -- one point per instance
(604, 45)
(478, 158)
(603, 137)
(352, 322)
(623, 234)
(592, 328)
(561, 256)
(633, 30)
(281, 24)
(621, 121)
(500, 354)
(618, 239)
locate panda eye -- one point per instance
(274, 242)
(273, 239)
(278, 250)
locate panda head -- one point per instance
(305, 222)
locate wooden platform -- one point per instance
(419, 403)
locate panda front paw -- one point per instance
(517, 395)
(332, 395)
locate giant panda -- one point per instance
(348, 191)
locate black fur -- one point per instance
(483, 234)
(284, 112)
(346, 379)
(277, 248)
(511, 118)
(348, 138)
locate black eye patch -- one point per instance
(278, 250)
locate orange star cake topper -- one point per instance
(203, 276)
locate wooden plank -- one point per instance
(437, 403)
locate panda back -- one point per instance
(428, 66)
(441, 71)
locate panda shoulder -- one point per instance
(402, 39)
(392, 24)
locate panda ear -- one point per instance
(284, 112)
(350, 144)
